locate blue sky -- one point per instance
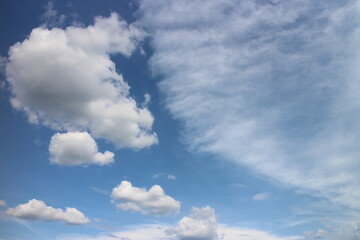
(179, 120)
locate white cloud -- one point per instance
(147, 99)
(232, 233)
(336, 232)
(157, 232)
(99, 190)
(321, 233)
(66, 80)
(307, 234)
(77, 148)
(3, 62)
(171, 177)
(153, 201)
(3, 203)
(200, 224)
(165, 175)
(270, 85)
(52, 17)
(261, 196)
(137, 232)
(38, 210)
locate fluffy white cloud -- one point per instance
(38, 210)
(272, 85)
(200, 224)
(153, 201)
(65, 79)
(77, 148)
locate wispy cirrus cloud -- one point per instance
(100, 190)
(272, 85)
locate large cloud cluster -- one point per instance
(65, 79)
(38, 210)
(153, 201)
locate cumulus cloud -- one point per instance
(77, 148)
(65, 79)
(38, 210)
(201, 224)
(272, 85)
(153, 201)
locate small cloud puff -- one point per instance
(3, 203)
(165, 175)
(52, 17)
(261, 196)
(38, 210)
(171, 177)
(153, 201)
(77, 148)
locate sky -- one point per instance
(179, 120)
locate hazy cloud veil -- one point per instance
(272, 85)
